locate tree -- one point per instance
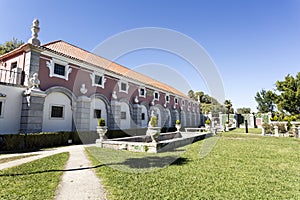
(243, 110)
(198, 96)
(10, 45)
(191, 94)
(265, 100)
(228, 106)
(288, 100)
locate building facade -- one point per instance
(61, 87)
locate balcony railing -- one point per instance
(15, 76)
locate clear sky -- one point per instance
(252, 42)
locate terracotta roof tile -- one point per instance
(74, 52)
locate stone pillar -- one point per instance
(175, 116)
(32, 64)
(263, 131)
(276, 131)
(115, 117)
(82, 115)
(269, 117)
(32, 112)
(137, 116)
(251, 121)
(294, 130)
(183, 118)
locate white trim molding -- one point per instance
(158, 95)
(51, 66)
(120, 83)
(167, 98)
(103, 79)
(145, 91)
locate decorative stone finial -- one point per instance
(35, 29)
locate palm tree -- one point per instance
(228, 105)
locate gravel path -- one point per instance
(79, 181)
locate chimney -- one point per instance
(35, 29)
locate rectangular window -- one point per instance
(167, 98)
(98, 80)
(143, 116)
(156, 95)
(59, 69)
(142, 92)
(123, 86)
(123, 115)
(1, 108)
(57, 111)
(97, 113)
(13, 65)
(176, 101)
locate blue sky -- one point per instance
(253, 43)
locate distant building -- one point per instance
(61, 87)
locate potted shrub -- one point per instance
(207, 123)
(178, 125)
(153, 129)
(101, 129)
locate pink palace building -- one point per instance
(61, 87)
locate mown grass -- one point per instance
(4, 160)
(34, 180)
(240, 166)
(250, 130)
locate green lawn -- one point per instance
(240, 166)
(250, 130)
(34, 180)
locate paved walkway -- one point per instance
(79, 180)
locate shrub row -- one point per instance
(35, 141)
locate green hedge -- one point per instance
(35, 141)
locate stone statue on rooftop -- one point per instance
(35, 29)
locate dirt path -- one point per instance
(79, 181)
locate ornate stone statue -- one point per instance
(35, 29)
(34, 82)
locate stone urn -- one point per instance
(153, 130)
(101, 130)
(178, 127)
(154, 133)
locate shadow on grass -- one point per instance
(51, 170)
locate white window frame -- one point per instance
(175, 100)
(167, 95)
(120, 88)
(2, 108)
(51, 66)
(93, 76)
(157, 95)
(145, 91)
(57, 118)
(182, 102)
